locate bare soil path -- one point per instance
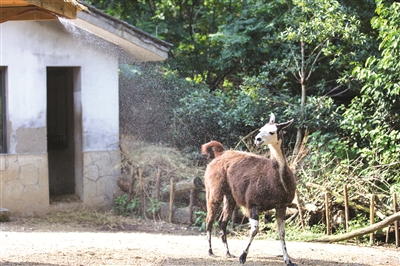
(158, 243)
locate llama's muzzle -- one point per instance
(258, 141)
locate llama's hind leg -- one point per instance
(229, 206)
(280, 220)
(212, 208)
(253, 219)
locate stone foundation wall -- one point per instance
(100, 175)
(24, 184)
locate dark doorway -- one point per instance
(60, 130)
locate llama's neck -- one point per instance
(277, 153)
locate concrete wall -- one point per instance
(28, 48)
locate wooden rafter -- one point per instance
(25, 13)
(39, 9)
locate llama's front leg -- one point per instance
(280, 220)
(253, 219)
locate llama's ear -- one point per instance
(272, 119)
(284, 125)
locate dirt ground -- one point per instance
(160, 243)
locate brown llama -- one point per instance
(252, 181)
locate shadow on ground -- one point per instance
(270, 261)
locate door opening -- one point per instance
(60, 131)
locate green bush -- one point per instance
(125, 208)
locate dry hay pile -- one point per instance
(151, 159)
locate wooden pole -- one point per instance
(346, 207)
(372, 217)
(140, 177)
(131, 186)
(300, 210)
(327, 214)
(396, 223)
(158, 184)
(191, 204)
(183, 187)
(141, 192)
(387, 235)
(340, 200)
(171, 200)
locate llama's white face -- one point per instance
(268, 134)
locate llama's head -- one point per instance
(271, 132)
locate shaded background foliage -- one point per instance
(147, 99)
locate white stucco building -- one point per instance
(59, 103)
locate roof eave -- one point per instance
(136, 44)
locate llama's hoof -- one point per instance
(242, 258)
(291, 264)
(229, 255)
(210, 253)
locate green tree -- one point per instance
(373, 119)
(299, 48)
(247, 40)
(322, 36)
(188, 25)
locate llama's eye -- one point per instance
(271, 133)
(258, 139)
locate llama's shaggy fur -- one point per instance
(252, 181)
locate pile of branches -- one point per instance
(336, 178)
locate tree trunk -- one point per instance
(360, 232)
(303, 83)
(299, 140)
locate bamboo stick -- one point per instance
(346, 206)
(339, 200)
(327, 214)
(298, 200)
(387, 235)
(191, 204)
(171, 200)
(131, 186)
(140, 177)
(371, 218)
(158, 184)
(141, 192)
(396, 223)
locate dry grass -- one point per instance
(88, 220)
(67, 220)
(152, 158)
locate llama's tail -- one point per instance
(207, 149)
